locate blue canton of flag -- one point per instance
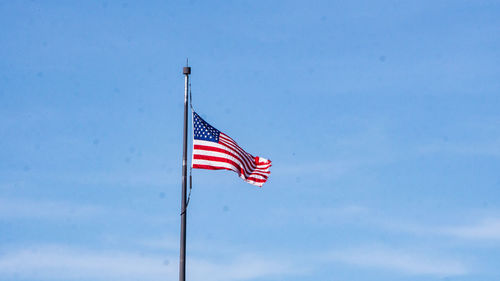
(203, 130)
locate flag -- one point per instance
(214, 150)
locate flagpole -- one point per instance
(182, 260)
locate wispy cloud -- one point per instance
(480, 148)
(482, 229)
(488, 228)
(404, 261)
(332, 169)
(168, 243)
(315, 215)
(243, 268)
(20, 208)
(26, 208)
(62, 263)
(153, 178)
(66, 263)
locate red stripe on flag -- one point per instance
(238, 167)
(220, 150)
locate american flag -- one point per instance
(214, 150)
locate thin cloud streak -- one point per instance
(55, 262)
(61, 263)
(404, 261)
(486, 229)
(315, 215)
(17, 208)
(491, 148)
(327, 169)
(155, 178)
(165, 243)
(483, 229)
(26, 208)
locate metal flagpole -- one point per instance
(182, 260)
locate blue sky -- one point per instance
(381, 118)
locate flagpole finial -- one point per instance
(186, 70)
